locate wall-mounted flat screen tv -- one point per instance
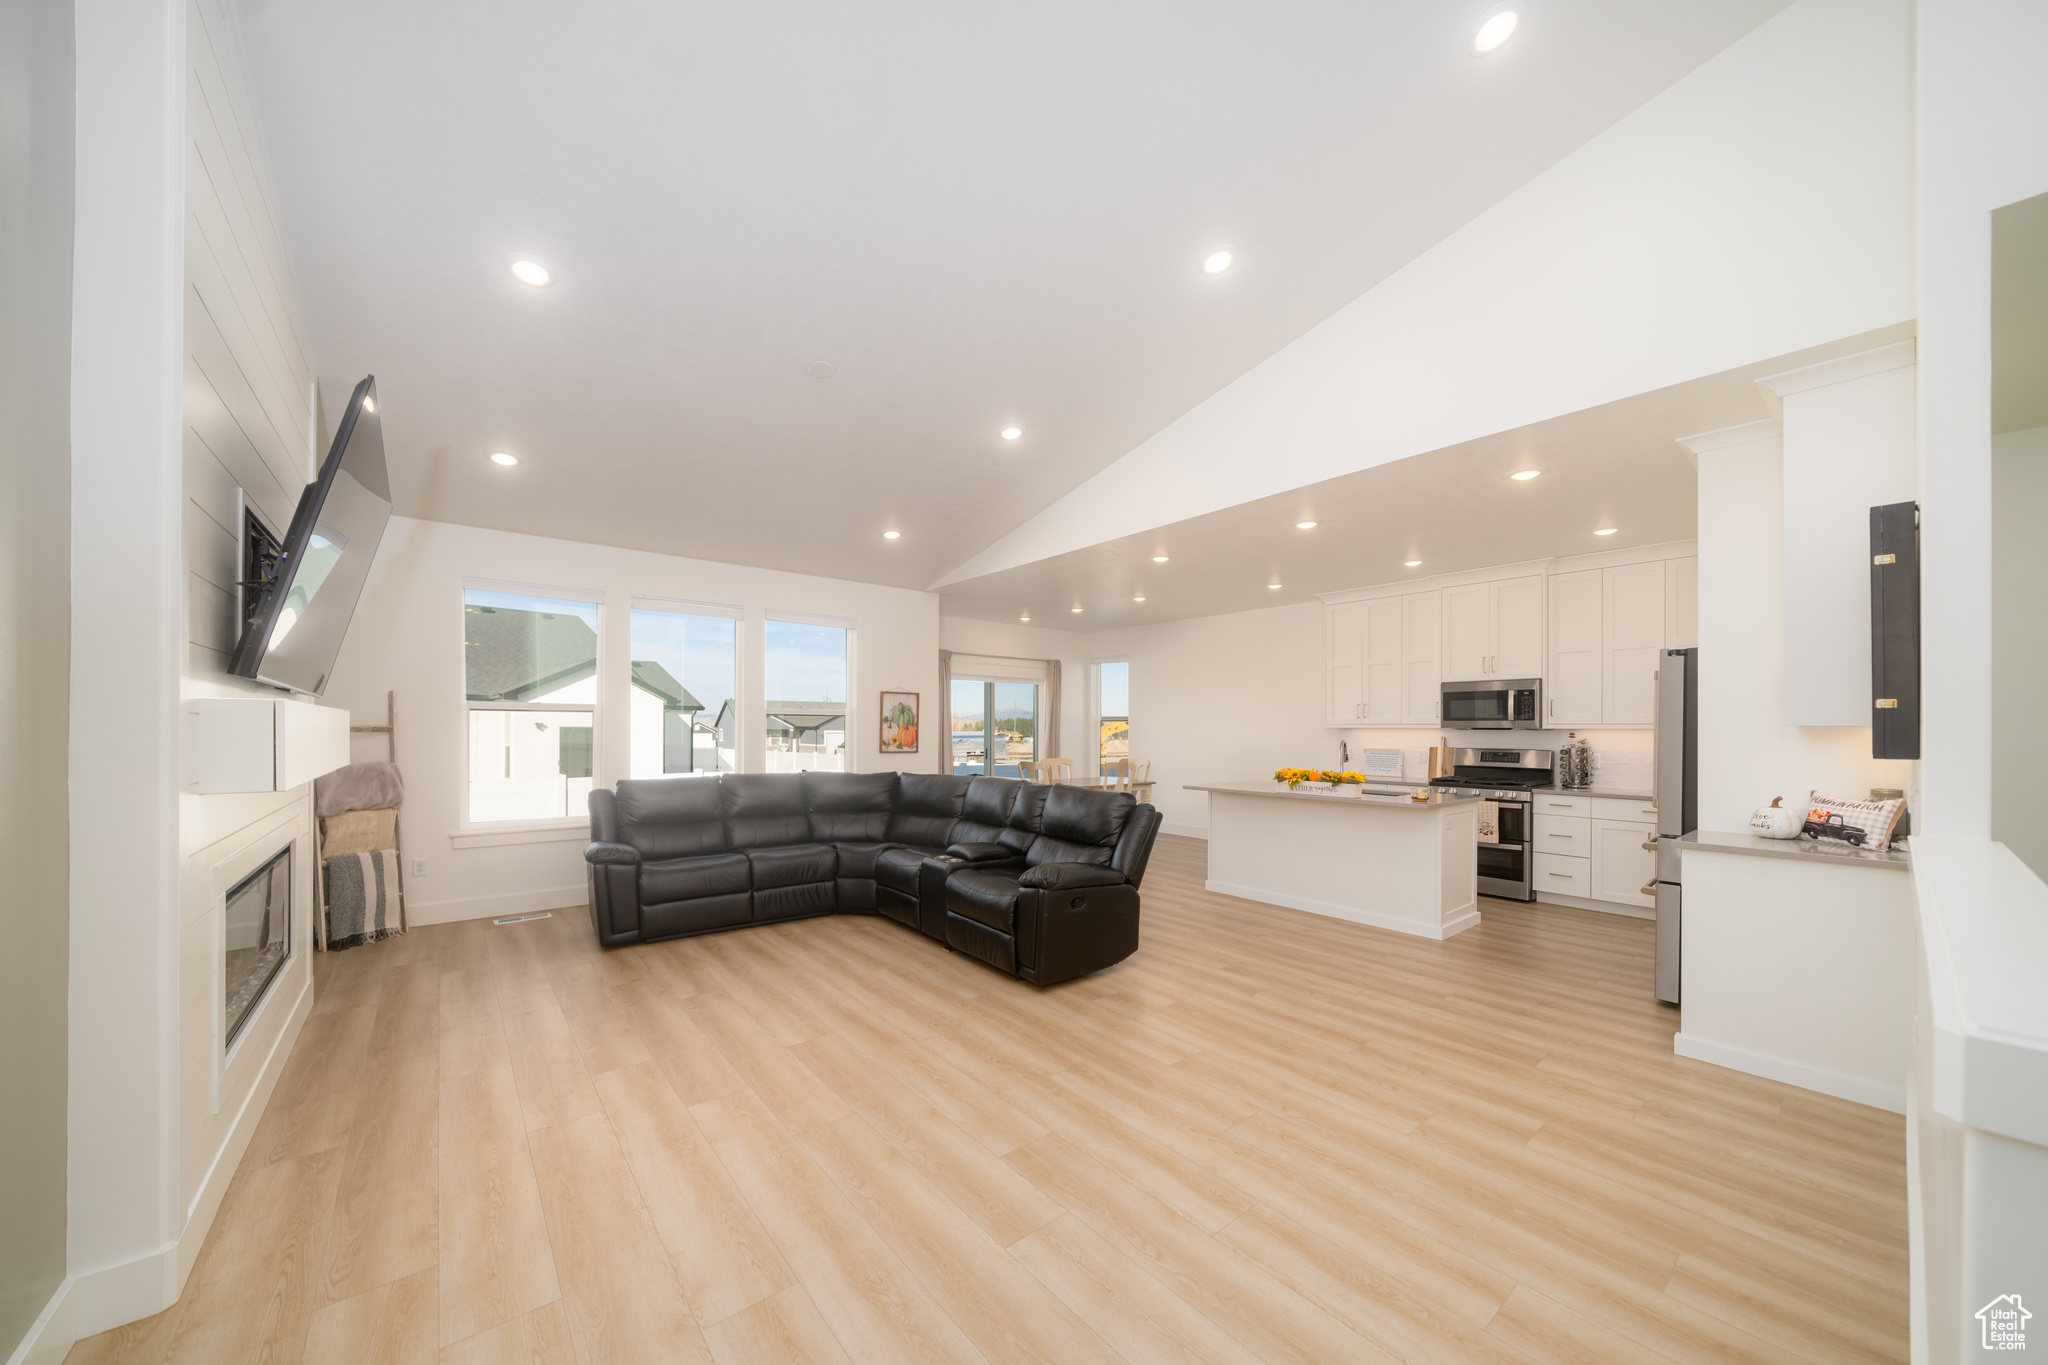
(299, 593)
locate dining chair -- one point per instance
(1049, 770)
(1116, 773)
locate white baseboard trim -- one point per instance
(1807, 1077)
(55, 1330)
(1184, 831)
(490, 907)
(1604, 907)
(1458, 922)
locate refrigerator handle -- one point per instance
(1656, 740)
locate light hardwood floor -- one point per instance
(1266, 1137)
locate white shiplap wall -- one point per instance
(251, 423)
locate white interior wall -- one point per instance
(127, 280)
(1982, 143)
(407, 638)
(1759, 206)
(1848, 446)
(1748, 752)
(249, 424)
(2019, 805)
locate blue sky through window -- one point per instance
(1116, 690)
(805, 663)
(696, 650)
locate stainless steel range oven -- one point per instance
(1506, 777)
(1509, 704)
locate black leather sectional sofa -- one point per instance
(1039, 881)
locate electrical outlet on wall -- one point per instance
(419, 867)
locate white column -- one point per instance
(127, 346)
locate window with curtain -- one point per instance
(995, 726)
(683, 709)
(531, 688)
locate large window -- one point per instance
(804, 680)
(684, 717)
(1112, 710)
(995, 726)
(530, 677)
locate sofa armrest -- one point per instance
(981, 853)
(1070, 876)
(623, 854)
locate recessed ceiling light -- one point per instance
(1217, 261)
(1012, 433)
(1074, 609)
(1025, 617)
(1158, 559)
(821, 369)
(504, 457)
(527, 270)
(1412, 564)
(1498, 28)
(891, 535)
(1274, 586)
(1607, 530)
(1524, 475)
(1304, 526)
(1139, 598)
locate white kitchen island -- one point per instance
(1379, 858)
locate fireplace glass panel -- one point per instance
(259, 937)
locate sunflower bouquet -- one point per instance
(1294, 777)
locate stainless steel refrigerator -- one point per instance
(1678, 801)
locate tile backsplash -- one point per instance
(1621, 758)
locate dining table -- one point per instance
(1142, 789)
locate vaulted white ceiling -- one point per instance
(976, 215)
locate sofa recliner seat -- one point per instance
(1039, 881)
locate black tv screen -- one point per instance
(299, 600)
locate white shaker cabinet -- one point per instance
(1621, 865)
(1682, 603)
(1493, 630)
(1344, 635)
(1421, 658)
(1632, 637)
(1572, 685)
(1382, 703)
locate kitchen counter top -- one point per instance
(1391, 800)
(1800, 850)
(1611, 793)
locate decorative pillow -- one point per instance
(362, 898)
(1875, 819)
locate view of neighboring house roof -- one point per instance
(651, 677)
(518, 655)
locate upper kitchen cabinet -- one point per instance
(1493, 629)
(1632, 638)
(1382, 661)
(1421, 658)
(1344, 640)
(1682, 603)
(1573, 683)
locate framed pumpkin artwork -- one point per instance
(899, 722)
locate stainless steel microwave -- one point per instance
(1510, 704)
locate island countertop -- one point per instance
(1402, 800)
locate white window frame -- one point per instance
(849, 624)
(1095, 707)
(678, 606)
(599, 772)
